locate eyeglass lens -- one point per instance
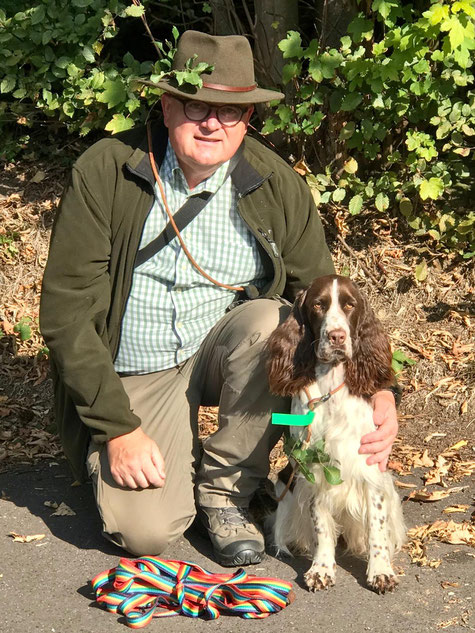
(226, 114)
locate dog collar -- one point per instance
(313, 402)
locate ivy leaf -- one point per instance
(383, 7)
(360, 28)
(38, 15)
(399, 359)
(432, 188)
(8, 84)
(332, 475)
(113, 94)
(119, 123)
(292, 46)
(347, 131)
(456, 31)
(351, 101)
(382, 202)
(88, 54)
(339, 194)
(351, 166)
(421, 271)
(291, 70)
(134, 11)
(406, 207)
(355, 205)
(23, 329)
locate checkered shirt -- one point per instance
(171, 306)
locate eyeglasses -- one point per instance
(227, 115)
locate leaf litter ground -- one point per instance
(431, 321)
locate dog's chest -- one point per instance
(340, 421)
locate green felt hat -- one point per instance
(232, 79)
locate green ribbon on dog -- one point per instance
(291, 419)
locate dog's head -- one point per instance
(331, 322)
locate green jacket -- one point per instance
(89, 271)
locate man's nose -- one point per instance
(211, 122)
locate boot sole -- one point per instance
(240, 559)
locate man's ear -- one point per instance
(166, 105)
(247, 117)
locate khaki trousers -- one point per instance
(228, 370)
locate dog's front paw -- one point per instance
(383, 583)
(319, 577)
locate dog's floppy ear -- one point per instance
(370, 368)
(291, 356)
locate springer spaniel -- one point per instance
(331, 355)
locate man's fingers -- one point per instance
(380, 458)
(153, 475)
(158, 461)
(375, 447)
(381, 434)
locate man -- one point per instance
(136, 351)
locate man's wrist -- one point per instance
(396, 391)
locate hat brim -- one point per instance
(210, 95)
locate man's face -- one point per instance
(201, 146)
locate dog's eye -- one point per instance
(317, 306)
(349, 306)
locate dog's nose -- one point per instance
(337, 337)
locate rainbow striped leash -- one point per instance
(151, 587)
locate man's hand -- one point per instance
(379, 442)
(135, 461)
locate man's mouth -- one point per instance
(203, 139)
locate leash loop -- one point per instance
(151, 587)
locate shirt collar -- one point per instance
(172, 172)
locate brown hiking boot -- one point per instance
(236, 540)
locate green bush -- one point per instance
(52, 64)
(397, 99)
(387, 120)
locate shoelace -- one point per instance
(234, 516)
(151, 587)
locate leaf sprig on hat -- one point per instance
(162, 69)
(305, 456)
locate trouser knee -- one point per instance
(147, 540)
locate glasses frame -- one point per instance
(216, 108)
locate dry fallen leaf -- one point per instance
(302, 168)
(424, 495)
(395, 465)
(24, 538)
(446, 583)
(456, 508)
(38, 177)
(447, 623)
(422, 461)
(441, 469)
(455, 447)
(402, 484)
(50, 504)
(432, 435)
(63, 510)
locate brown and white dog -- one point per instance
(331, 355)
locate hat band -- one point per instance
(229, 88)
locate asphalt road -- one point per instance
(44, 585)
